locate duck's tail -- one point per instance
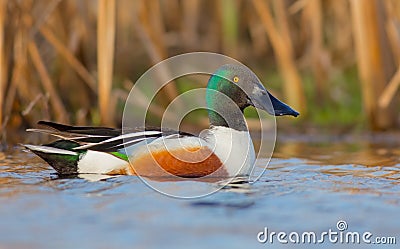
(59, 154)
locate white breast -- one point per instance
(234, 148)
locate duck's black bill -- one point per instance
(278, 108)
(281, 108)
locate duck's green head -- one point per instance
(244, 89)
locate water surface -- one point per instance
(309, 186)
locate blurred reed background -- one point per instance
(72, 61)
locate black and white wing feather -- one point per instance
(103, 138)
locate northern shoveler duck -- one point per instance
(225, 149)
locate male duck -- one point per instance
(224, 150)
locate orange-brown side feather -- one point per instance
(185, 162)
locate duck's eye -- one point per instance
(236, 79)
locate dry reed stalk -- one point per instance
(156, 22)
(282, 22)
(21, 70)
(141, 28)
(72, 34)
(145, 19)
(172, 13)
(156, 52)
(390, 91)
(394, 39)
(105, 57)
(75, 28)
(69, 57)
(340, 39)
(209, 30)
(59, 111)
(3, 66)
(190, 23)
(259, 40)
(29, 108)
(20, 55)
(392, 28)
(49, 7)
(313, 13)
(280, 41)
(229, 15)
(297, 6)
(20, 91)
(370, 62)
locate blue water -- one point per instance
(305, 188)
